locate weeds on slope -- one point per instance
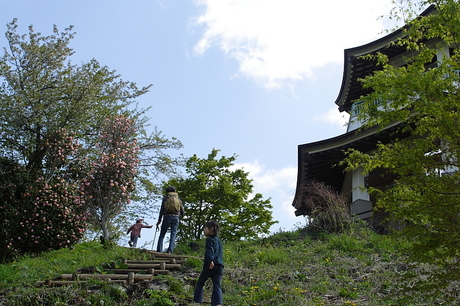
(293, 268)
(359, 267)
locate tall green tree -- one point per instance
(214, 190)
(52, 113)
(42, 92)
(425, 98)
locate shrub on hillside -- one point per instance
(326, 209)
(39, 214)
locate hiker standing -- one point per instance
(135, 230)
(170, 211)
(213, 265)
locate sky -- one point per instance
(254, 78)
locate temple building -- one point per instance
(319, 160)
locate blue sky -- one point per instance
(254, 78)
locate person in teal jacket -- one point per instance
(213, 266)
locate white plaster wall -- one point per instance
(356, 185)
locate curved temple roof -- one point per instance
(356, 68)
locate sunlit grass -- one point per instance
(288, 268)
(53, 263)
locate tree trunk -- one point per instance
(104, 227)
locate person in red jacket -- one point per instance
(135, 230)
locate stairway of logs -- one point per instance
(133, 271)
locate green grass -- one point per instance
(287, 268)
(51, 264)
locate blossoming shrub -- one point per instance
(40, 217)
(40, 208)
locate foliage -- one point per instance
(52, 115)
(42, 92)
(424, 98)
(327, 210)
(174, 285)
(213, 191)
(156, 298)
(94, 292)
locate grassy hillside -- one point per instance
(287, 268)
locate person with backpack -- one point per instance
(170, 212)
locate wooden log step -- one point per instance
(65, 283)
(154, 266)
(125, 271)
(135, 271)
(165, 260)
(164, 272)
(130, 277)
(166, 255)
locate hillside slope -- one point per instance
(287, 268)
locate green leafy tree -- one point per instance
(213, 190)
(52, 114)
(424, 98)
(43, 92)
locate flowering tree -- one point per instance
(52, 114)
(112, 169)
(39, 208)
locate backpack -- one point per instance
(172, 204)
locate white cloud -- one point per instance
(278, 185)
(266, 180)
(164, 4)
(275, 40)
(334, 117)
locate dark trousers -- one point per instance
(169, 221)
(134, 240)
(216, 276)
